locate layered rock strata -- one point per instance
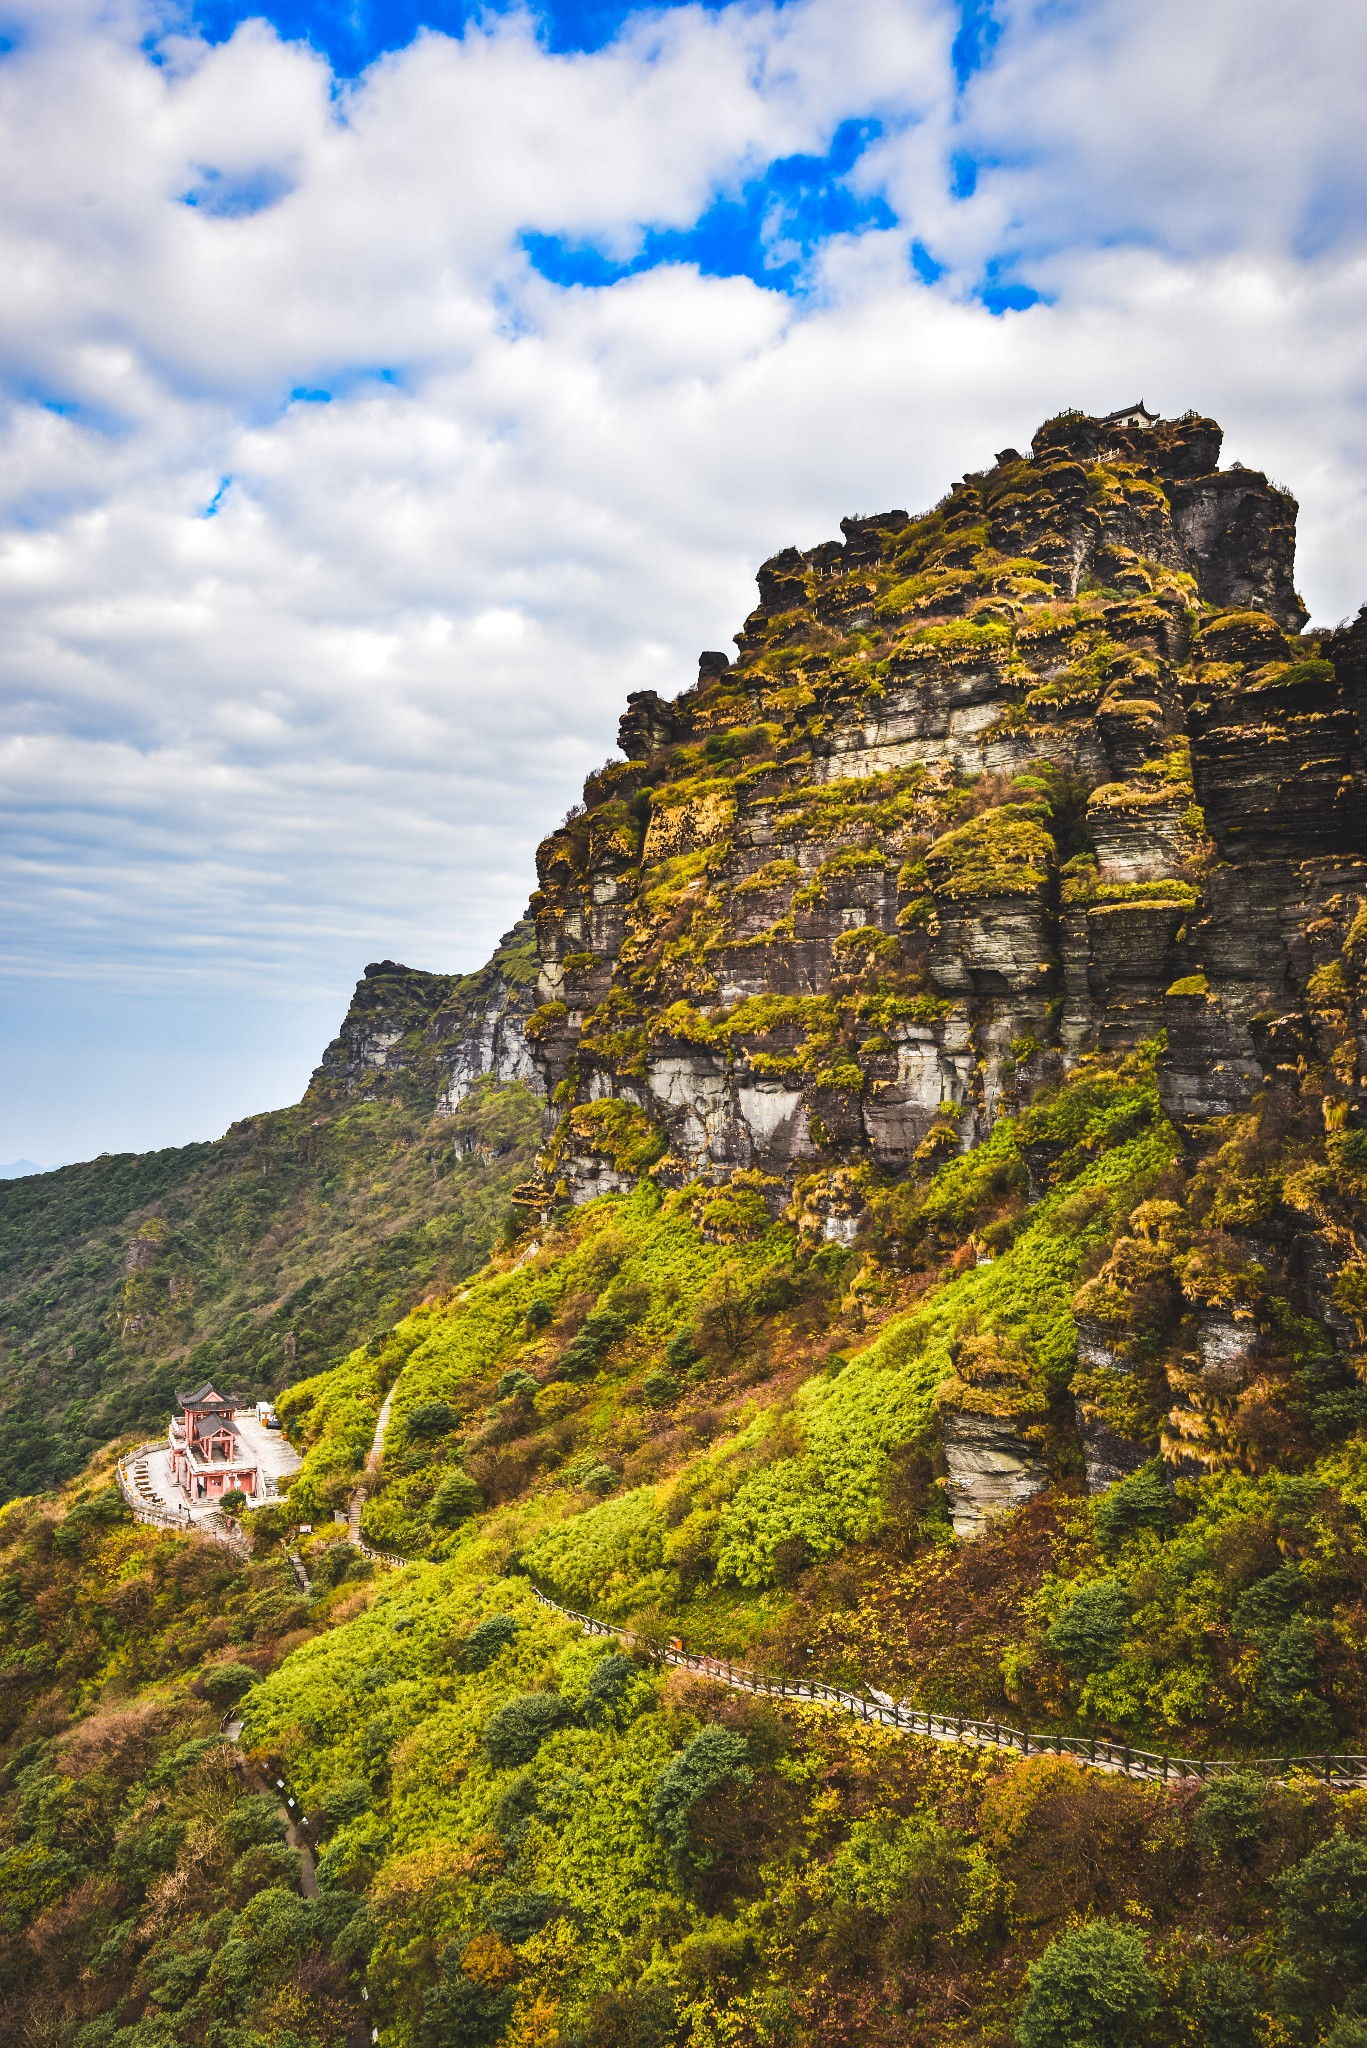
(1046, 770)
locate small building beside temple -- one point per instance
(208, 1456)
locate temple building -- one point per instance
(208, 1456)
(1131, 416)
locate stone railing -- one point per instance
(159, 1516)
(1093, 1750)
(144, 1510)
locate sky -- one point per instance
(386, 389)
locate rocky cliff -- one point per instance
(1051, 771)
(442, 1031)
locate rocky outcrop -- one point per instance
(1039, 770)
(989, 1469)
(993, 1415)
(439, 1033)
(1045, 772)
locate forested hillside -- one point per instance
(268, 1254)
(944, 1275)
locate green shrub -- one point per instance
(681, 1352)
(539, 1314)
(517, 1382)
(224, 1684)
(1091, 1628)
(515, 1733)
(524, 1914)
(714, 1757)
(233, 1501)
(1092, 1988)
(487, 1639)
(1232, 1818)
(587, 1350)
(1221, 2003)
(660, 1388)
(253, 1820)
(344, 1801)
(457, 1498)
(1142, 1501)
(88, 1520)
(611, 1676)
(1324, 1909)
(429, 1421)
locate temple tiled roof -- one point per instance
(206, 1396)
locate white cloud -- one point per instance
(253, 750)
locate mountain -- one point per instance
(943, 1276)
(15, 1169)
(274, 1251)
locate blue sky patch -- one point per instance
(979, 32)
(352, 33)
(768, 232)
(211, 509)
(228, 195)
(1002, 293)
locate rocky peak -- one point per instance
(1031, 779)
(435, 1032)
(981, 790)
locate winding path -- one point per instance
(295, 1835)
(1345, 1772)
(361, 1493)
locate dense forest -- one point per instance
(943, 1275)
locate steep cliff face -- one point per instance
(982, 790)
(444, 1032)
(1041, 775)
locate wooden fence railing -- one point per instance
(1094, 1750)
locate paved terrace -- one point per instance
(152, 1487)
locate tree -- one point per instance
(1092, 1627)
(1143, 1501)
(457, 1498)
(430, 1420)
(710, 1759)
(1232, 1818)
(1092, 1988)
(487, 1640)
(224, 1684)
(1324, 1911)
(516, 1732)
(1221, 2001)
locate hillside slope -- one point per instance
(945, 1271)
(272, 1252)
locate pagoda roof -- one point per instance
(206, 1396)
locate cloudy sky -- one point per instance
(387, 389)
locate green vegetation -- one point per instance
(254, 1261)
(746, 1407)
